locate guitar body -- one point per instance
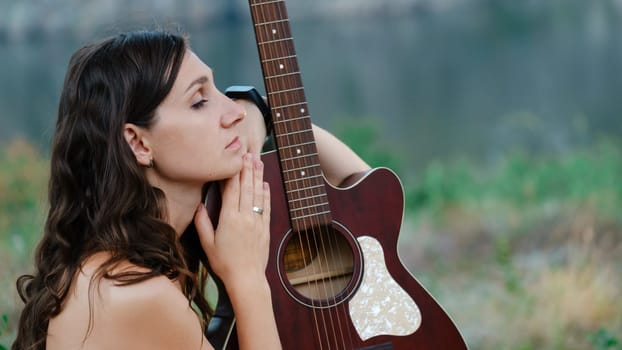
(371, 207)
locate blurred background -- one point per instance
(501, 117)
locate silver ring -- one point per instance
(258, 210)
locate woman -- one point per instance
(141, 128)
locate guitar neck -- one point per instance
(300, 167)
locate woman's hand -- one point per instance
(238, 253)
(238, 249)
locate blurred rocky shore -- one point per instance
(44, 19)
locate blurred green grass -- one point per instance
(23, 189)
(525, 254)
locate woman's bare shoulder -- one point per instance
(152, 314)
(109, 292)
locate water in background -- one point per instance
(475, 81)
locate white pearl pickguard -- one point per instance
(380, 306)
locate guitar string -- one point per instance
(312, 285)
(259, 12)
(314, 220)
(331, 237)
(323, 244)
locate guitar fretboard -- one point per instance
(302, 176)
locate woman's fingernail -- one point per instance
(200, 207)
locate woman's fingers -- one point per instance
(204, 227)
(231, 194)
(246, 185)
(258, 195)
(244, 191)
(266, 206)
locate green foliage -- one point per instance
(442, 184)
(521, 181)
(4, 324)
(604, 340)
(590, 176)
(503, 257)
(575, 176)
(23, 179)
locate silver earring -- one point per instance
(150, 163)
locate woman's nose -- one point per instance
(233, 114)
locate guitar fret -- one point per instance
(304, 188)
(278, 58)
(274, 41)
(281, 75)
(291, 120)
(286, 90)
(298, 144)
(309, 206)
(265, 3)
(302, 156)
(291, 105)
(306, 216)
(285, 134)
(306, 178)
(307, 198)
(301, 168)
(271, 22)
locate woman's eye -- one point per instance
(199, 104)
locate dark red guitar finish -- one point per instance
(317, 264)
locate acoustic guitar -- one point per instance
(337, 281)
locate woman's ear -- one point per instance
(139, 144)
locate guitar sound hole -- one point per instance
(318, 263)
(298, 253)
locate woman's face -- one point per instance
(198, 134)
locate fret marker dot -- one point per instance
(278, 114)
(298, 151)
(281, 66)
(302, 110)
(302, 173)
(273, 31)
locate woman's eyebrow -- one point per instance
(199, 81)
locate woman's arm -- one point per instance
(337, 160)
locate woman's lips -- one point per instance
(235, 144)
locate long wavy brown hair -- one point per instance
(99, 196)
